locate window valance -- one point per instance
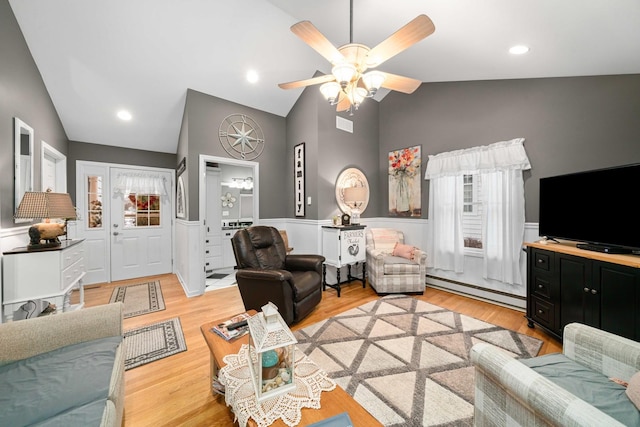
(497, 156)
(140, 183)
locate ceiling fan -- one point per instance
(349, 82)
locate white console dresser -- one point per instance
(42, 274)
(343, 246)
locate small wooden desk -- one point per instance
(333, 402)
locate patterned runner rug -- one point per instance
(407, 361)
(139, 299)
(153, 342)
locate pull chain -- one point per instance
(351, 21)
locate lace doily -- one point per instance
(310, 382)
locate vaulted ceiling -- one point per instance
(97, 57)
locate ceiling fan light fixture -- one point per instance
(349, 84)
(357, 95)
(330, 91)
(373, 80)
(344, 73)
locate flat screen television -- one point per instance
(597, 208)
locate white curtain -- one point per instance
(500, 167)
(445, 248)
(140, 183)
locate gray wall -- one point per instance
(339, 150)
(108, 154)
(570, 124)
(204, 115)
(330, 150)
(22, 95)
(302, 126)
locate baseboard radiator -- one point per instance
(493, 296)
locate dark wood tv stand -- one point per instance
(566, 284)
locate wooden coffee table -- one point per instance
(333, 402)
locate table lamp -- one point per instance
(46, 205)
(354, 197)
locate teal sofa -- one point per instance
(64, 369)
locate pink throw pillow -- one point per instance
(633, 389)
(404, 251)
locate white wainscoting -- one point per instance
(305, 237)
(471, 283)
(10, 238)
(15, 237)
(189, 257)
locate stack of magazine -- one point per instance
(221, 328)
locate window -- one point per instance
(499, 212)
(94, 195)
(468, 193)
(472, 212)
(142, 210)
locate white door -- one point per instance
(213, 223)
(140, 230)
(53, 169)
(92, 225)
(49, 174)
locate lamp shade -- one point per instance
(355, 194)
(344, 73)
(330, 91)
(36, 204)
(373, 80)
(357, 95)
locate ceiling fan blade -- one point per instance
(400, 83)
(343, 102)
(308, 82)
(314, 38)
(416, 30)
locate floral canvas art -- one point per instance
(404, 182)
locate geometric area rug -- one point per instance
(139, 299)
(153, 342)
(406, 361)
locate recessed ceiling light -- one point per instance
(252, 76)
(124, 115)
(519, 49)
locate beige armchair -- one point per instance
(393, 274)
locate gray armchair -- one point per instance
(393, 274)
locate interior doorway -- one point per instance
(228, 199)
(53, 169)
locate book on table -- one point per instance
(223, 330)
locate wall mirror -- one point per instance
(23, 174)
(352, 177)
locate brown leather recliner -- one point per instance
(266, 273)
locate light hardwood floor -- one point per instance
(175, 391)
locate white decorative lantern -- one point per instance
(271, 353)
